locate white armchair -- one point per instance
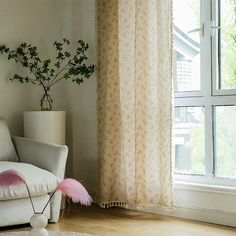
(43, 166)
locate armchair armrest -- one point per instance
(50, 157)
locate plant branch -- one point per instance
(44, 87)
(58, 73)
(56, 81)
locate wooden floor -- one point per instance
(119, 222)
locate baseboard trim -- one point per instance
(225, 218)
(204, 215)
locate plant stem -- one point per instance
(30, 197)
(49, 100)
(52, 82)
(47, 96)
(56, 81)
(58, 73)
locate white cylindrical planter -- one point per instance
(45, 126)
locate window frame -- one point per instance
(215, 11)
(208, 97)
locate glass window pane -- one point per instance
(227, 44)
(189, 140)
(186, 45)
(225, 141)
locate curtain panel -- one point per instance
(134, 102)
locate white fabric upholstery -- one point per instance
(38, 180)
(7, 150)
(51, 157)
(43, 165)
(14, 212)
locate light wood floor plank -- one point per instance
(120, 222)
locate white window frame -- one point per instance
(214, 48)
(209, 96)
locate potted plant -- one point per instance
(47, 73)
(49, 126)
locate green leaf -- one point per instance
(67, 65)
(66, 76)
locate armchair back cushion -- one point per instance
(7, 150)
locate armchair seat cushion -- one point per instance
(38, 180)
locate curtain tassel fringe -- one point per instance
(113, 204)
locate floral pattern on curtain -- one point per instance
(135, 102)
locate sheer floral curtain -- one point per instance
(135, 102)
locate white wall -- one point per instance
(81, 99)
(36, 22)
(41, 22)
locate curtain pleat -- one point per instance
(135, 102)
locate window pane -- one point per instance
(186, 45)
(189, 140)
(225, 141)
(227, 44)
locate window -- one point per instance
(189, 140)
(204, 69)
